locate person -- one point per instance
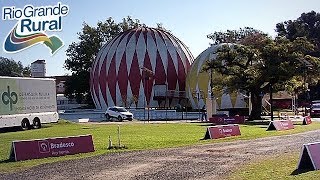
(204, 113)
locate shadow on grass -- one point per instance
(300, 171)
(208, 124)
(251, 123)
(254, 123)
(7, 161)
(18, 129)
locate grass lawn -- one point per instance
(275, 167)
(135, 136)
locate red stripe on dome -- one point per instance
(160, 73)
(123, 78)
(153, 36)
(145, 37)
(137, 34)
(129, 37)
(96, 84)
(102, 81)
(171, 74)
(112, 79)
(148, 83)
(161, 36)
(181, 74)
(135, 77)
(121, 38)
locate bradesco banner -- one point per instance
(310, 156)
(215, 132)
(306, 120)
(227, 120)
(280, 125)
(42, 148)
(27, 95)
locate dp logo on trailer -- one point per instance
(32, 24)
(9, 98)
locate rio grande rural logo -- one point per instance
(32, 24)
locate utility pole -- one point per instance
(147, 73)
(271, 101)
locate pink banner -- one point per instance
(280, 125)
(227, 120)
(215, 132)
(314, 153)
(42, 148)
(217, 120)
(306, 120)
(310, 157)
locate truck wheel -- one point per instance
(36, 123)
(119, 118)
(25, 124)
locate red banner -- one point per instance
(310, 156)
(280, 125)
(306, 120)
(215, 132)
(217, 120)
(227, 120)
(42, 148)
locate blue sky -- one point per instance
(190, 21)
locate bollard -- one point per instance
(110, 143)
(119, 137)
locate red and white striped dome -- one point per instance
(117, 74)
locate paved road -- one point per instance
(211, 161)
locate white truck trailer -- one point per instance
(27, 102)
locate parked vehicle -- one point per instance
(315, 110)
(120, 113)
(27, 102)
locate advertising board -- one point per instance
(51, 147)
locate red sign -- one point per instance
(42, 148)
(227, 120)
(217, 120)
(280, 125)
(310, 156)
(306, 120)
(215, 132)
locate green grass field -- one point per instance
(135, 136)
(275, 167)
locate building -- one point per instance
(38, 68)
(135, 65)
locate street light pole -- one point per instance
(147, 73)
(271, 101)
(144, 102)
(148, 103)
(211, 90)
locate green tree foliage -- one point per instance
(9, 67)
(258, 61)
(81, 54)
(233, 36)
(307, 25)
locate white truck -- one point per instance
(27, 102)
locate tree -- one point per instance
(307, 25)
(9, 67)
(233, 36)
(81, 54)
(258, 62)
